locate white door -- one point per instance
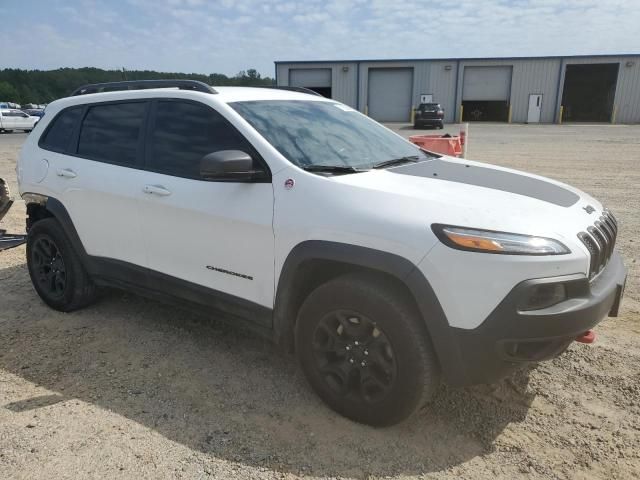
(535, 106)
(216, 234)
(99, 185)
(23, 121)
(8, 120)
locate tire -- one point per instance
(380, 379)
(55, 268)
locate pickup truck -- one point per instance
(12, 119)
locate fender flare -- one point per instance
(400, 268)
(57, 210)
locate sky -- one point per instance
(226, 36)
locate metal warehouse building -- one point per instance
(594, 88)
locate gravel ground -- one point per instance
(129, 388)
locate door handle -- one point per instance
(156, 190)
(67, 173)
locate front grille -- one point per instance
(600, 240)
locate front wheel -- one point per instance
(364, 350)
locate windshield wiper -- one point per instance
(397, 161)
(333, 168)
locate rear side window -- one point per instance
(183, 133)
(112, 133)
(59, 133)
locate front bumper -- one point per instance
(508, 337)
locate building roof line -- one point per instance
(455, 59)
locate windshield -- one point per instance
(324, 133)
(429, 106)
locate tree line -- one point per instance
(44, 86)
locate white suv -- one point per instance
(385, 267)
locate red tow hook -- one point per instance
(587, 337)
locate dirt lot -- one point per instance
(129, 388)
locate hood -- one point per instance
(479, 195)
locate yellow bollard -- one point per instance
(366, 110)
(461, 111)
(613, 115)
(412, 115)
(509, 117)
(561, 112)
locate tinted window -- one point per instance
(59, 133)
(111, 133)
(185, 132)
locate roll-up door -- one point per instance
(390, 91)
(486, 83)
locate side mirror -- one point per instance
(230, 165)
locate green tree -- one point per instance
(8, 93)
(39, 86)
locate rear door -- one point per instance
(8, 120)
(94, 155)
(212, 234)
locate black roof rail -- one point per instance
(293, 89)
(194, 85)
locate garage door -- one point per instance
(487, 83)
(389, 96)
(310, 77)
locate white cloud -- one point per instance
(231, 35)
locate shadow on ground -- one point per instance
(227, 393)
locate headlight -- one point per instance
(489, 241)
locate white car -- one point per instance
(13, 119)
(386, 268)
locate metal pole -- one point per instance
(464, 133)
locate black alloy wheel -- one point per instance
(49, 267)
(354, 356)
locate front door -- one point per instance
(535, 107)
(198, 233)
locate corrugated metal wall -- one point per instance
(532, 75)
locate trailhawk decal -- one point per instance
(490, 178)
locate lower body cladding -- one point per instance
(514, 335)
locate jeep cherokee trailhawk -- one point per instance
(384, 267)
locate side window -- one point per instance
(183, 133)
(111, 133)
(58, 135)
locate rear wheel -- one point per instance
(55, 269)
(364, 351)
